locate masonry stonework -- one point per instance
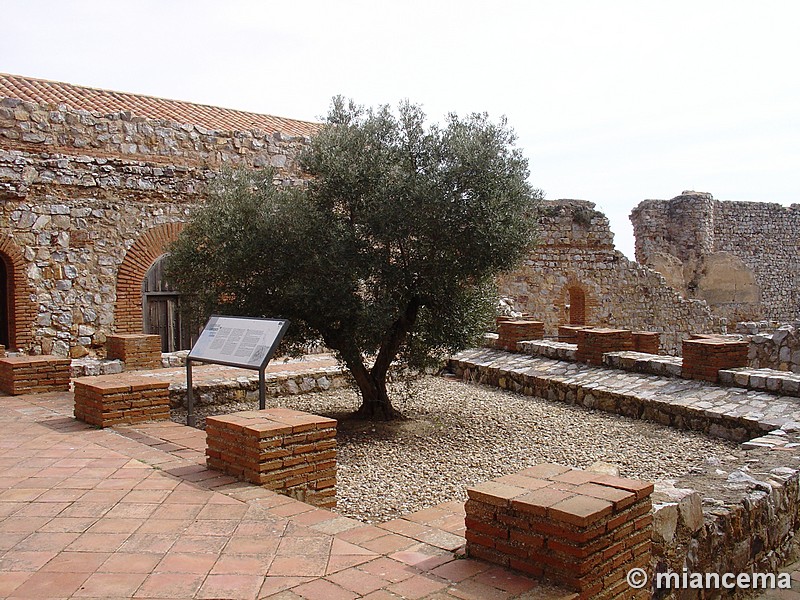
(89, 200)
(742, 257)
(575, 276)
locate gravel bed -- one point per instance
(458, 434)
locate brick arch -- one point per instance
(145, 251)
(581, 301)
(21, 309)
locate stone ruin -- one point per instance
(740, 257)
(94, 186)
(92, 193)
(575, 276)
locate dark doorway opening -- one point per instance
(161, 310)
(5, 292)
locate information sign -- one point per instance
(237, 342)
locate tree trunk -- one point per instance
(375, 402)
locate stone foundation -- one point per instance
(579, 529)
(110, 400)
(285, 450)
(137, 351)
(33, 374)
(773, 347)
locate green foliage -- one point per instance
(389, 251)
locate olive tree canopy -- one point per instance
(387, 254)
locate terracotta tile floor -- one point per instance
(134, 513)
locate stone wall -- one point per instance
(80, 191)
(742, 257)
(773, 347)
(575, 276)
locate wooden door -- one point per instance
(162, 311)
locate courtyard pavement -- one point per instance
(133, 512)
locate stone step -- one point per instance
(728, 412)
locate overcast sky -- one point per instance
(613, 101)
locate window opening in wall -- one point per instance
(161, 310)
(577, 306)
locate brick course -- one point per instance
(703, 358)
(137, 351)
(646, 341)
(578, 529)
(593, 343)
(569, 333)
(285, 450)
(512, 331)
(34, 374)
(108, 400)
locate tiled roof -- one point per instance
(105, 101)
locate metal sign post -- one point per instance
(241, 342)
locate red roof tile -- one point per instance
(105, 101)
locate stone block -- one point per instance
(511, 332)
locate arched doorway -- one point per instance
(5, 293)
(577, 306)
(161, 310)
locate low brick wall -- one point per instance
(285, 450)
(569, 333)
(511, 332)
(109, 400)
(579, 529)
(137, 351)
(648, 342)
(34, 374)
(703, 358)
(593, 343)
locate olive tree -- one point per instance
(388, 251)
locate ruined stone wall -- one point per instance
(79, 189)
(575, 274)
(772, 346)
(742, 257)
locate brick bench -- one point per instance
(578, 529)
(284, 450)
(137, 350)
(108, 400)
(512, 331)
(704, 358)
(34, 374)
(593, 343)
